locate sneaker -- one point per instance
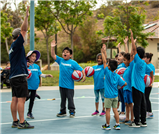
(60, 114)
(125, 122)
(72, 115)
(95, 113)
(103, 113)
(106, 127)
(24, 125)
(117, 127)
(122, 116)
(149, 116)
(133, 124)
(15, 124)
(143, 124)
(37, 96)
(30, 116)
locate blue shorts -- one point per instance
(127, 96)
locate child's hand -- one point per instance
(135, 40)
(104, 47)
(131, 33)
(125, 40)
(53, 43)
(49, 75)
(119, 44)
(28, 64)
(84, 78)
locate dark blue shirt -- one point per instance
(17, 58)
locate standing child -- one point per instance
(138, 85)
(148, 90)
(99, 84)
(66, 83)
(111, 82)
(33, 81)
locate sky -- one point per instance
(99, 3)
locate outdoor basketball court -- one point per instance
(46, 122)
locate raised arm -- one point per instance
(53, 44)
(24, 26)
(134, 49)
(119, 49)
(104, 58)
(125, 43)
(131, 54)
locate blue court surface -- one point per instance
(46, 122)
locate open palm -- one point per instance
(53, 43)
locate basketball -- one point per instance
(30, 74)
(89, 71)
(147, 80)
(120, 71)
(77, 75)
(119, 87)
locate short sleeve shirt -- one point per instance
(34, 80)
(138, 73)
(66, 69)
(152, 67)
(98, 77)
(17, 58)
(127, 76)
(111, 83)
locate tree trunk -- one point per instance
(48, 58)
(7, 46)
(72, 45)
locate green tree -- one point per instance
(71, 14)
(126, 17)
(6, 30)
(46, 23)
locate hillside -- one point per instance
(151, 13)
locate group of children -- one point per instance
(106, 82)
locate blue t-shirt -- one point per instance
(98, 77)
(152, 67)
(127, 76)
(121, 65)
(17, 58)
(138, 73)
(111, 83)
(66, 69)
(34, 80)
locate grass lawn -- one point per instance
(55, 80)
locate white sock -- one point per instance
(117, 123)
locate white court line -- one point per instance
(155, 102)
(53, 119)
(154, 98)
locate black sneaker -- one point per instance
(30, 116)
(60, 114)
(24, 125)
(37, 96)
(133, 124)
(144, 124)
(15, 124)
(72, 115)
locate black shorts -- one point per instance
(19, 86)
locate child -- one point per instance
(99, 84)
(138, 85)
(33, 81)
(66, 83)
(127, 90)
(148, 59)
(111, 82)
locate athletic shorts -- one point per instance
(19, 86)
(110, 102)
(127, 96)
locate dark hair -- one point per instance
(116, 56)
(140, 52)
(149, 55)
(127, 56)
(67, 48)
(99, 54)
(113, 64)
(7, 62)
(122, 53)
